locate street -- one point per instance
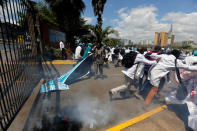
(87, 100)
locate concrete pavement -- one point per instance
(89, 98)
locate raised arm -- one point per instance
(185, 66)
(142, 59)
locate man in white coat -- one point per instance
(62, 48)
(78, 50)
(129, 73)
(161, 69)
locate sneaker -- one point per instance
(110, 96)
(158, 96)
(138, 95)
(95, 77)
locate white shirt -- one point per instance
(127, 51)
(77, 52)
(61, 45)
(190, 60)
(130, 72)
(166, 64)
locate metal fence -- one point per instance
(19, 57)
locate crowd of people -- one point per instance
(141, 67)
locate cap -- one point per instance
(195, 53)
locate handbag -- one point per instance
(182, 90)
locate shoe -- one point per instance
(138, 95)
(158, 96)
(169, 81)
(95, 77)
(110, 96)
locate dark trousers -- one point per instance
(63, 53)
(98, 68)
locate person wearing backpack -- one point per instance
(99, 56)
(157, 72)
(143, 85)
(130, 62)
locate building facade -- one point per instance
(164, 39)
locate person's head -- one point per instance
(141, 50)
(176, 53)
(157, 48)
(90, 44)
(99, 46)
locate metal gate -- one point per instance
(19, 56)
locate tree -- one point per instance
(45, 14)
(113, 42)
(98, 6)
(96, 35)
(68, 13)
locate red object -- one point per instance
(45, 34)
(65, 119)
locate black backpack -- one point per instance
(116, 51)
(129, 59)
(122, 52)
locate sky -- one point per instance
(140, 19)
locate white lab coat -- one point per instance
(127, 51)
(130, 72)
(61, 45)
(77, 52)
(166, 64)
(190, 60)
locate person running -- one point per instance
(161, 69)
(129, 73)
(142, 86)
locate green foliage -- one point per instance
(98, 35)
(113, 42)
(98, 6)
(51, 52)
(45, 14)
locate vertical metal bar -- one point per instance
(9, 67)
(5, 75)
(11, 74)
(4, 80)
(13, 94)
(20, 53)
(16, 60)
(17, 54)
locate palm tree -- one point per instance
(98, 6)
(96, 35)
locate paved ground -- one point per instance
(88, 100)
